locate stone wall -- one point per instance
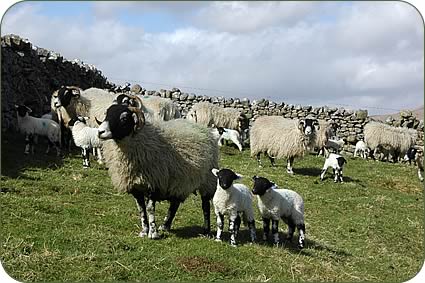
(30, 75)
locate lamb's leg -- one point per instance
(168, 220)
(140, 201)
(232, 229)
(322, 174)
(237, 225)
(289, 165)
(272, 161)
(301, 237)
(49, 144)
(291, 229)
(28, 142)
(206, 207)
(86, 158)
(266, 228)
(259, 160)
(421, 178)
(220, 226)
(275, 231)
(150, 209)
(252, 232)
(336, 175)
(99, 155)
(340, 175)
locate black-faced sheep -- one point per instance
(32, 127)
(275, 204)
(232, 200)
(337, 162)
(279, 137)
(162, 161)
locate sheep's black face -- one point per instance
(341, 161)
(119, 123)
(225, 177)
(124, 100)
(22, 110)
(261, 185)
(220, 130)
(309, 126)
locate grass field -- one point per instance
(60, 222)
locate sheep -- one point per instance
(337, 162)
(274, 204)
(33, 126)
(395, 138)
(158, 108)
(335, 145)
(327, 129)
(208, 114)
(419, 160)
(279, 137)
(362, 149)
(228, 135)
(232, 200)
(86, 138)
(160, 161)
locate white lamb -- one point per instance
(337, 162)
(228, 135)
(232, 200)
(361, 149)
(274, 204)
(86, 138)
(32, 127)
(335, 145)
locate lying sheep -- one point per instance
(86, 138)
(337, 162)
(32, 127)
(361, 149)
(208, 114)
(395, 138)
(223, 134)
(279, 137)
(162, 161)
(274, 204)
(232, 200)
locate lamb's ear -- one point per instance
(215, 171)
(254, 177)
(273, 186)
(316, 124)
(238, 176)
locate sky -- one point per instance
(356, 55)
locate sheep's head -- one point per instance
(63, 96)
(308, 126)
(261, 185)
(128, 100)
(120, 122)
(225, 177)
(243, 122)
(22, 110)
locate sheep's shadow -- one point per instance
(309, 171)
(346, 179)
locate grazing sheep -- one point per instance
(86, 138)
(232, 200)
(396, 138)
(32, 127)
(419, 160)
(274, 204)
(208, 114)
(279, 137)
(361, 149)
(162, 161)
(337, 162)
(223, 134)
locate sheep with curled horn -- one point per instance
(159, 161)
(279, 137)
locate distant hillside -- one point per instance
(418, 113)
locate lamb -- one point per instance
(227, 135)
(279, 137)
(208, 114)
(335, 145)
(232, 200)
(410, 155)
(337, 162)
(419, 160)
(396, 138)
(161, 161)
(274, 204)
(86, 138)
(362, 149)
(32, 127)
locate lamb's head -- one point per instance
(120, 122)
(64, 95)
(261, 185)
(22, 110)
(77, 120)
(308, 126)
(225, 177)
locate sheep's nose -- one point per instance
(100, 132)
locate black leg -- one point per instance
(174, 205)
(206, 209)
(275, 231)
(140, 201)
(266, 228)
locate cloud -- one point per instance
(361, 54)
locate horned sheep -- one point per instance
(275, 204)
(161, 161)
(232, 200)
(279, 137)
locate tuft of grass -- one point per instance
(60, 222)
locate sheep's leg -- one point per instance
(140, 201)
(150, 209)
(322, 174)
(237, 225)
(275, 231)
(57, 147)
(49, 144)
(336, 174)
(174, 205)
(266, 228)
(28, 143)
(86, 158)
(291, 228)
(220, 226)
(421, 178)
(206, 208)
(272, 161)
(289, 165)
(239, 145)
(232, 229)
(301, 237)
(259, 160)
(340, 175)
(252, 232)
(99, 155)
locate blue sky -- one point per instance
(360, 54)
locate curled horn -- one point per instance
(140, 117)
(97, 121)
(301, 124)
(76, 91)
(138, 101)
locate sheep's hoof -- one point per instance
(26, 152)
(217, 239)
(143, 234)
(165, 228)
(290, 172)
(153, 235)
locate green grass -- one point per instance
(60, 222)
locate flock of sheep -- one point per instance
(154, 155)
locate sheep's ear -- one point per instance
(29, 109)
(254, 177)
(238, 176)
(215, 171)
(316, 125)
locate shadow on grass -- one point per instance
(309, 171)
(14, 161)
